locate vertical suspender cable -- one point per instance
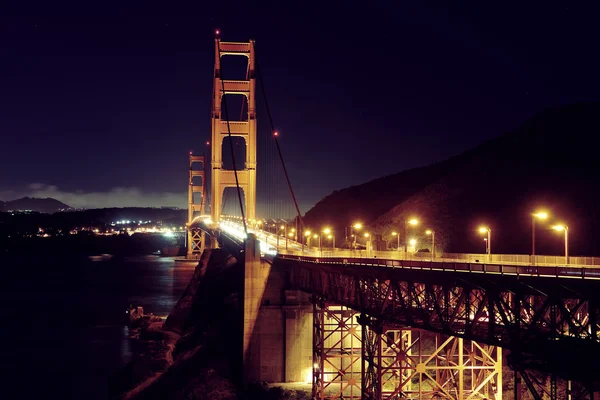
(262, 87)
(237, 183)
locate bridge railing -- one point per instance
(519, 259)
(298, 248)
(555, 271)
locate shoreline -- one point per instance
(152, 353)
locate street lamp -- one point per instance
(566, 230)
(307, 234)
(320, 249)
(367, 236)
(432, 233)
(329, 234)
(413, 243)
(537, 215)
(356, 226)
(398, 238)
(489, 240)
(412, 222)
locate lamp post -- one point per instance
(307, 234)
(566, 230)
(432, 233)
(355, 227)
(537, 215)
(489, 240)
(413, 245)
(368, 240)
(330, 235)
(412, 222)
(320, 249)
(285, 235)
(398, 238)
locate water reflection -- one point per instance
(66, 317)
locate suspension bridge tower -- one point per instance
(223, 126)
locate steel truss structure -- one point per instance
(551, 325)
(195, 236)
(401, 363)
(337, 347)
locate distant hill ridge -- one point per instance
(46, 205)
(549, 161)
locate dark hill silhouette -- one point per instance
(46, 205)
(549, 161)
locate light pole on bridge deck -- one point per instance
(412, 222)
(564, 228)
(330, 235)
(398, 239)
(489, 240)
(432, 233)
(307, 234)
(320, 249)
(368, 243)
(537, 215)
(355, 227)
(284, 229)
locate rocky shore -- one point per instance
(195, 353)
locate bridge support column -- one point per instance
(337, 347)
(254, 287)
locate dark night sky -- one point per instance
(104, 104)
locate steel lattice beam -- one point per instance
(546, 323)
(337, 349)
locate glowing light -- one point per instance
(413, 221)
(541, 215)
(275, 133)
(428, 232)
(329, 236)
(315, 236)
(217, 32)
(357, 225)
(394, 233)
(559, 227)
(308, 375)
(483, 229)
(327, 231)
(367, 235)
(413, 242)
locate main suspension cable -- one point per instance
(275, 134)
(237, 183)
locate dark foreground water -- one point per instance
(62, 332)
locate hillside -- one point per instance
(549, 161)
(46, 205)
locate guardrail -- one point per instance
(295, 248)
(540, 271)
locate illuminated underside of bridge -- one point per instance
(548, 324)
